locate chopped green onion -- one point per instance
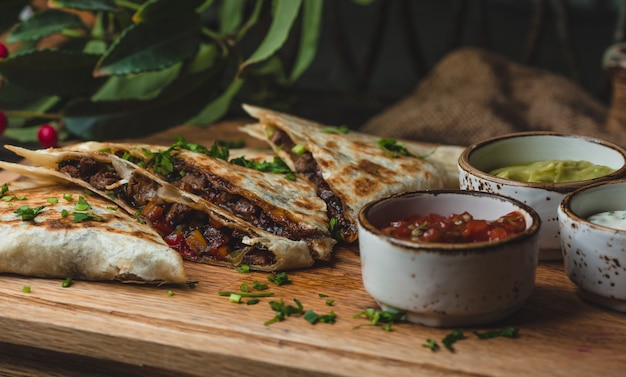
(52, 200)
(452, 338)
(258, 286)
(26, 289)
(236, 298)
(169, 292)
(507, 332)
(67, 282)
(279, 279)
(343, 129)
(244, 287)
(67, 197)
(244, 268)
(298, 149)
(253, 301)
(431, 344)
(246, 294)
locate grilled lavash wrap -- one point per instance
(59, 232)
(347, 168)
(199, 229)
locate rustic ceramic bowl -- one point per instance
(445, 284)
(479, 159)
(594, 256)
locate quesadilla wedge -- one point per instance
(59, 232)
(196, 227)
(348, 169)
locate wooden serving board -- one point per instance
(130, 329)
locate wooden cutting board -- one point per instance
(174, 330)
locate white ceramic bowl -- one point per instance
(445, 284)
(479, 159)
(594, 256)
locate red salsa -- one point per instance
(455, 228)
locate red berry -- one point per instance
(47, 136)
(4, 51)
(4, 122)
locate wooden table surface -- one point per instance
(106, 329)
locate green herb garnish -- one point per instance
(507, 332)
(431, 344)
(313, 318)
(298, 149)
(244, 268)
(279, 279)
(67, 197)
(26, 289)
(234, 297)
(169, 292)
(66, 283)
(246, 294)
(52, 200)
(276, 166)
(254, 301)
(84, 216)
(28, 213)
(258, 286)
(394, 148)
(376, 317)
(452, 338)
(4, 189)
(282, 310)
(343, 129)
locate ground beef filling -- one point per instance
(306, 165)
(190, 232)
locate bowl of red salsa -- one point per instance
(449, 258)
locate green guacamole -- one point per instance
(553, 171)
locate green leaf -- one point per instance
(44, 23)
(91, 5)
(218, 107)
(157, 10)
(122, 119)
(142, 86)
(284, 15)
(311, 26)
(9, 13)
(52, 72)
(151, 46)
(231, 15)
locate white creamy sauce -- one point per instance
(611, 219)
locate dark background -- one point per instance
(372, 56)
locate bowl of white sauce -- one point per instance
(592, 223)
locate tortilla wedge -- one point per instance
(199, 229)
(59, 232)
(348, 169)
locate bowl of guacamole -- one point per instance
(539, 169)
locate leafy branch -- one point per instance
(127, 68)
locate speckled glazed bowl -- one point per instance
(479, 159)
(594, 256)
(447, 284)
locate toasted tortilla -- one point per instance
(273, 252)
(353, 165)
(107, 244)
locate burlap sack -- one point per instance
(473, 94)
